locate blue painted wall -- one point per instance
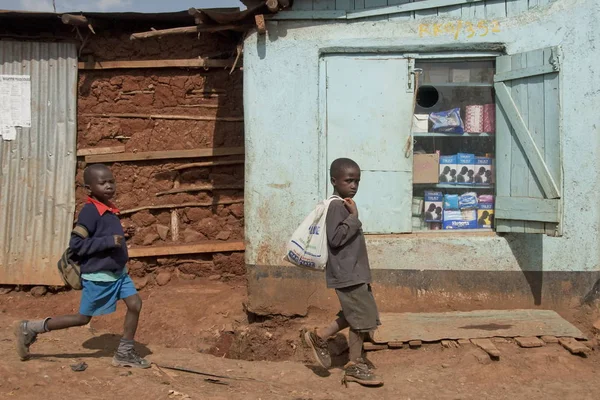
(285, 175)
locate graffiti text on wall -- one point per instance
(459, 29)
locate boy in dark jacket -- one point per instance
(347, 272)
(98, 240)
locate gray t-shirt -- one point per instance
(348, 263)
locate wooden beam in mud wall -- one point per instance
(200, 188)
(207, 164)
(187, 29)
(185, 63)
(182, 205)
(100, 150)
(165, 155)
(196, 248)
(171, 117)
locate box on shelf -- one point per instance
(447, 169)
(474, 119)
(417, 206)
(425, 168)
(420, 123)
(485, 215)
(489, 118)
(484, 173)
(464, 219)
(433, 206)
(465, 168)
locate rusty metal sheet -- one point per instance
(433, 327)
(37, 170)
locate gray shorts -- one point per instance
(359, 307)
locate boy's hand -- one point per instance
(351, 206)
(119, 240)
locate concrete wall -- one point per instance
(284, 174)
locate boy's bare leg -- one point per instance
(336, 326)
(355, 345)
(26, 331)
(125, 355)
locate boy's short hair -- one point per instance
(88, 172)
(340, 165)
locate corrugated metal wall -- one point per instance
(37, 193)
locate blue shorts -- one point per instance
(99, 298)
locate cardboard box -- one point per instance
(485, 216)
(420, 123)
(474, 119)
(464, 219)
(434, 206)
(465, 165)
(484, 173)
(425, 168)
(447, 169)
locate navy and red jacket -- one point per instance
(93, 239)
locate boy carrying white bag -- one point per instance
(308, 245)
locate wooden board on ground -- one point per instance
(487, 346)
(433, 327)
(367, 346)
(574, 346)
(529, 342)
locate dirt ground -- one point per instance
(202, 325)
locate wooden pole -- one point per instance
(182, 205)
(186, 29)
(209, 246)
(190, 63)
(207, 164)
(165, 155)
(272, 5)
(74, 20)
(260, 24)
(201, 188)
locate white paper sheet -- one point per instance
(15, 100)
(8, 132)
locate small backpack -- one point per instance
(70, 270)
(308, 247)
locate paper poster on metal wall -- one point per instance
(15, 104)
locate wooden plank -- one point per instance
(346, 5)
(324, 5)
(487, 346)
(432, 327)
(261, 27)
(403, 16)
(416, 6)
(535, 124)
(527, 209)
(503, 149)
(207, 164)
(186, 30)
(530, 71)
(200, 188)
(529, 342)
(495, 9)
(519, 169)
(100, 150)
(164, 116)
(373, 12)
(552, 126)
(182, 205)
(574, 346)
(196, 248)
(191, 63)
(415, 344)
(549, 339)
(164, 154)
(528, 146)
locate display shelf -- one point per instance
(449, 186)
(467, 134)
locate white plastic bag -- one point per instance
(307, 247)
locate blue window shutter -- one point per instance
(528, 151)
(369, 106)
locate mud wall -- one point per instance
(212, 93)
